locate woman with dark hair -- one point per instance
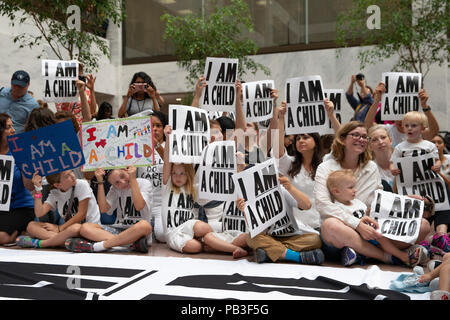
(104, 111)
(141, 96)
(21, 209)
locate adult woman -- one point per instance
(104, 111)
(141, 96)
(380, 143)
(21, 211)
(338, 230)
(300, 168)
(445, 158)
(154, 173)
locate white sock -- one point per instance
(98, 246)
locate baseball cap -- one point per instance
(20, 78)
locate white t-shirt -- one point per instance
(176, 207)
(304, 183)
(356, 209)
(396, 135)
(58, 199)
(445, 166)
(407, 149)
(122, 201)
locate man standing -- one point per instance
(16, 101)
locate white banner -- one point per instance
(401, 94)
(399, 217)
(220, 91)
(261, 191)
(305, 112)
(190, 133)
(60, 81)
(6, 181)
(257, 103)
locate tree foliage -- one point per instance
(220, 34)
(49, 17)
(415, 31)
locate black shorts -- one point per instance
(16, 220)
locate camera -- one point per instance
(359, 77)
(140, 86)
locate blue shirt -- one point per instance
(20, 196)
(361, 106)
(18, 109)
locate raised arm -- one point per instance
(136, 195)
(85, 109)
(433, 126)
(101, 197)
(201, 83)
(240, 122)
(279, 152)
(167, 166)
(370, 115)
(90, 84)
(329, 107)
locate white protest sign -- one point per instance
(216, 171)
(257, 101)
(220, 91)
(401, 94)
(233, 219)
(305, 110)
(60, 81)
(117, 143)
(6, 181)
(399, 217)
(190, 133)
(416, 177)
(335, 96)
(265, 204)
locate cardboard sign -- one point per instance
(335, 96)
(118, 143)
(217, 170)
(399, 217)
(401, 94)
(60, 81)
(257, 103)
(233, 219)
(305, 110)
(220, 91)
(259, 187)
(416, 177)
(190, 133)
(6, 181)
(48, 150)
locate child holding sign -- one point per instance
(342, 187)
(75, 202)
(131, 197)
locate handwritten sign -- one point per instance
(118, 143)
(60, 81)
(6, 181)
(190, 133)
(399, 217)
(48, 150)
(401, 94)
(305, 109)
(220, 91)
(265, 204)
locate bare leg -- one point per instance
(59, 239)
(37, 230)
(130, 235)
(192, 246)
(6, 238)
(223, 246)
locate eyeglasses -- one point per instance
(357, 136)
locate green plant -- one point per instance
(220, 34)
(49, 17)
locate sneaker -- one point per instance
(349, 256)
(141, 245)
(442, 242)
(79, 245)
(28, 242)
(433, 264)
(261, 256)
(312, 257)
(417, 255)
(440, 295)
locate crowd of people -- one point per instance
(328, 183)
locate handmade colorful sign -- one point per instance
(220, 91)
(118, 143)
(6, 181)
(60, 79)
(48, 150)
(401, 94)
(190, 133)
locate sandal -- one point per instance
(417, 254)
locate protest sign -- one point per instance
(6, 181)
(335, 96)
(190, 133)
(265, 204)
(60, 79)
(220, 91)
(257, 101)
(233, 218)
(216, 171)
(118, 143)
(416, 177)
(399, 217)
(401, 94)
(305, 109)
(48, 150)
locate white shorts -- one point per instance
(227, 236)
(176, 238)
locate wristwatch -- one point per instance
(428, 108)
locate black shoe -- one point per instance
(261, 256)
(141, 245)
